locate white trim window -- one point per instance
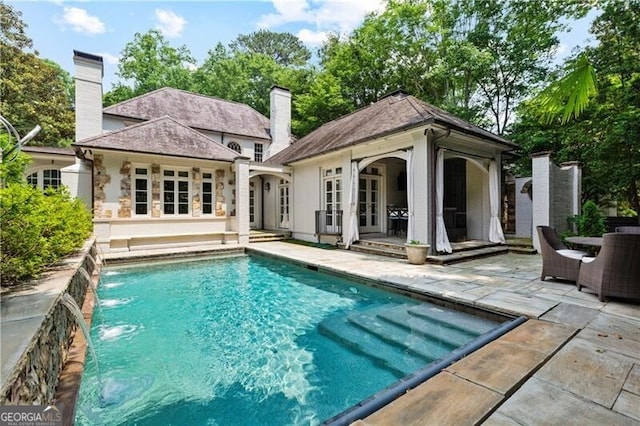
(45, 178)
(257, 152)
(207, 193)
(283, 211)
(175, 192)
(141, 188)
(235, 146)
(332, 197)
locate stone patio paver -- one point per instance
(581, 364)
(541, 403)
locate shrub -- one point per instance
(591, 221)
(37, 229)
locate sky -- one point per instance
(58, 27)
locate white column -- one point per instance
(541, 181)
(422, 193)
(78, 179)
(242, 198)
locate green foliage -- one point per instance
(37, 229)
(284, 48)
(32, 90)
(591, 222)
(570, 95)
(12, 167)
(604, 138)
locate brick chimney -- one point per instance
(88, 80)
(280, 120)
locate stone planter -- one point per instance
(417, 253)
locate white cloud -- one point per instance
(189, 66)
(313, 38)
(80, 21)
(170, 24)
(324, 15)
(109, 58)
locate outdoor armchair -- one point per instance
(557, 260)
(615, 271)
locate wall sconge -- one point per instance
(267, 186)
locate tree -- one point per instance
(32, 90)
(284, 48)
(604, 137)
(150, 63)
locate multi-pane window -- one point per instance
(43, 179)
(51, 178)
(32, 179)
(207, 193)
(175, 198)
(257, 152)
(283, 189)
(235, 146)
(141, 185)
(332, 190)
(252, 205)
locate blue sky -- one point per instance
(104, 27)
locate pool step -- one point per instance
(372, 322)
(390, 357)
(433, 329)
(404, 338)
(453, 319)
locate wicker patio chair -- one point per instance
(557, 260)
(628, 229)
(615, 271)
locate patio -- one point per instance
(577, 360)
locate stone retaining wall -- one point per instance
(34, 377)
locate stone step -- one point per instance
(470, 324)
(403, 338)
(380, 352)
(389, 252)
(433, 327)
(523, 250)
(447, 259)
(265, 239)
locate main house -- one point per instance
(173, 168)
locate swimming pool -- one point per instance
(250, 340)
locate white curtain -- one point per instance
(495, 228)
(352, 231)
(442, 240)
(410, 221)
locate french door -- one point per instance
(369, 203)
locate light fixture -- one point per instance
(267, 186)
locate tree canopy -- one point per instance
(33, 91)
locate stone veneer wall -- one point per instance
(125, 190)
(220, 206)
(195, 199)
(36, 374)
(100, 179)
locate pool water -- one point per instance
(251, 341)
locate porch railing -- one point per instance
(328, 222)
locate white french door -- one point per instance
(369, 198)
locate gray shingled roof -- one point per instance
(392, 114)
(196, 111)
(57, 150)
(164, 136)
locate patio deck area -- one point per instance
(576, 361)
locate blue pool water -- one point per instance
(251, 341)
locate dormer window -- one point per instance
(235, 146)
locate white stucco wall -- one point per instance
(306, 192)
(478, 208)
(523, 209)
